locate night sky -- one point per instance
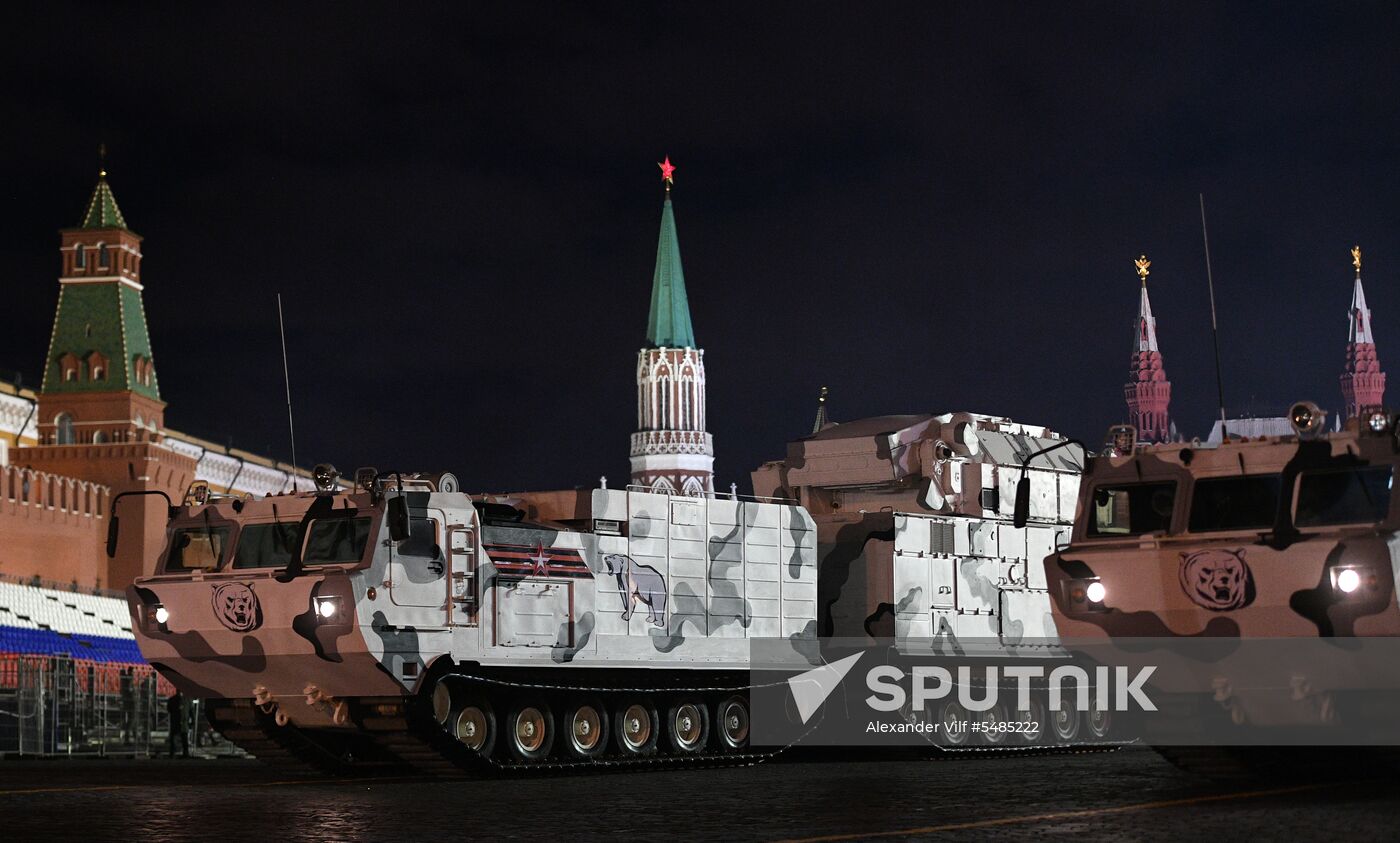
(925, 207)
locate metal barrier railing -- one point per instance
(57, 705)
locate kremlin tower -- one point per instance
(1363, 382)
(671, 450)
(100, 415)
(1148, 391)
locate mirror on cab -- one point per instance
(398, 518)
(113, 523)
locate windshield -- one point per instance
(1235, 503)
(1133, 509)
(266, 545)
(1343, 496)
(336, 540)
(196, 548)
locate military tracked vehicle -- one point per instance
(916, 545)
(1268, 562)
(402, 622)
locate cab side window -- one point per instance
(336, 540)
(196, 549)
(1132, 509)
(1343, 496)
(422, 542)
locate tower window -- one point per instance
(102, 260)
(70, 374)
(64, 429)
(79, 256)
(98, 373)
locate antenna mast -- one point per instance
(287, 380)
(1214, 327)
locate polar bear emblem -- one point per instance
(638, 583)
(1218, 580)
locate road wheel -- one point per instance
(1064, 720)
(954, 724)
(586, 726)
(688, 727)
(475, 727)
(732, 715)
(1099, 723)
(994, 725)
(1033, 724)
(442, 703)
(530, 731)
(636, 729)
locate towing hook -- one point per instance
(280, 718)
(1302, 688)
(1222, 690)
(313, 694)
(341, 713)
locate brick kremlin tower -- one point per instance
(1147, 391)
(1363, 382)
(671, 450)
(100, 415)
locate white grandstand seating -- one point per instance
(48, 621)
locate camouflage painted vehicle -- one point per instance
(916, 545)
(402, 622)
(1281, 543)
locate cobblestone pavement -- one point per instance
(1129, 794)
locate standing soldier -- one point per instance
(176, 707)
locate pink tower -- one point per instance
(1363, 382)
(1147, 391)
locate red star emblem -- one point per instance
(541, 560)
(667, 169)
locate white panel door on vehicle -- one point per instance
(419, 569)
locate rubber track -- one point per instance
(418, 745)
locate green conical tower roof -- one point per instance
(669, 323)
(101, 321)
(102, 210)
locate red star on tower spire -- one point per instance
(667, 169)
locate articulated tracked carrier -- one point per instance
(916, 545)
(1266, 566)
(404, 623)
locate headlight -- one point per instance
(325, 477)
(1086, 595)
(328, 608)
(1348, 580)
(161, 614)
(1378, 421)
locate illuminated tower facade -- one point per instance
(1148, 392)
(671, 451)
(1363, 382)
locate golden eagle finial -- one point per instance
(1356, 258)
(1142, 263)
